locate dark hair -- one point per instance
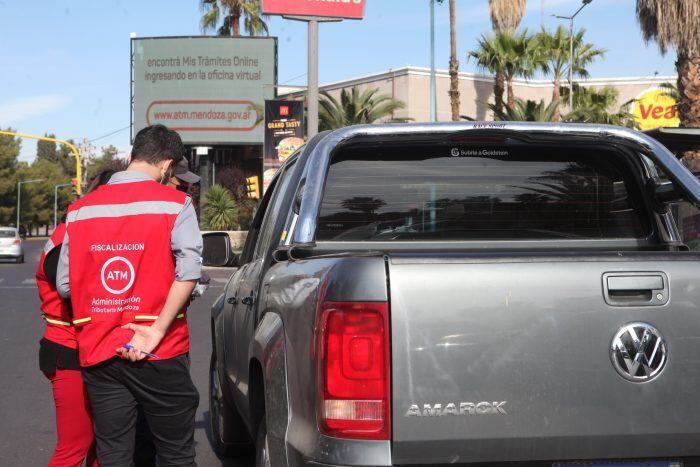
(157, 143)
(105, 173)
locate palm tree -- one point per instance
(505, 16)
(454, 64)
(555, 47)
(507, 55)
(232, 11)
(356, 107)
(218, 209)
(525, 111)
(596, 106)
(676, 23)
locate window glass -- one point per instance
(465, 193)
(254, 231)
(274, 211)
(7, 234)
(688, 220)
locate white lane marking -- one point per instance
(18, 287)
(220, 280)
(29, 281)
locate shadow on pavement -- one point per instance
(244, 461)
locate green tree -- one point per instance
(507, 55)
(356, 107)
(218, 209)
(66, 159)
(505, 16)
(555, 48)
(675, 23)
(46, 150)
(230, 13)
(598, 106)
(38, 198)
(525, 111)
(9, 154)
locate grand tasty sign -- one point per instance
(343, 9)
(209, 89)
(284, 134)
(653, 108)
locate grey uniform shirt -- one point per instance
(185, 240)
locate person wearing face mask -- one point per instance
(129, 261)
(183, 178)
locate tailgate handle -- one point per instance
(635, 283)
(636, 289)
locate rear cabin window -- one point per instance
(7, 234)
(516, 193)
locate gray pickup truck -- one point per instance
(467, 293)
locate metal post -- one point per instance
(571, 49)
(19, 196)
(571, 64)
(55, 206)
(312, 92)
(433, 103)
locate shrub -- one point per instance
(219, 210)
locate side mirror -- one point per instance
(217, 249)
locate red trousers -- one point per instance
(73, 421)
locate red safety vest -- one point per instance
(122, 267)
(56, 310)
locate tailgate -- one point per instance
(510, 360)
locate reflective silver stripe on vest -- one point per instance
(127, 209)
(48, 247)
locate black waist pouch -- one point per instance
(54, 356)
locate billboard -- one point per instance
(654, 108)
(284, 134)
(209, 89)
(349, 9)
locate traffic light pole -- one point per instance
(78, 168)
(55, 202)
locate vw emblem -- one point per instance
(638, 352)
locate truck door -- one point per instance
(246, 314)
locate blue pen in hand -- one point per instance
(128, 346)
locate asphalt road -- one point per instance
(27, 422)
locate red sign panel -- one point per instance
(350, 9)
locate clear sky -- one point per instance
(64, 64)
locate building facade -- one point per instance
(412, 86)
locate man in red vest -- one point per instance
(129, 262)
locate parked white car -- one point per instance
(11, 244)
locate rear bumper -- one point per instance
(11, 253)
(318, 450)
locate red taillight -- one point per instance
(354, 370)
(17, 241)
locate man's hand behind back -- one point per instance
(145, 339)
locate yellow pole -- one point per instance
(78, 169)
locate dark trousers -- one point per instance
(165, 392)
